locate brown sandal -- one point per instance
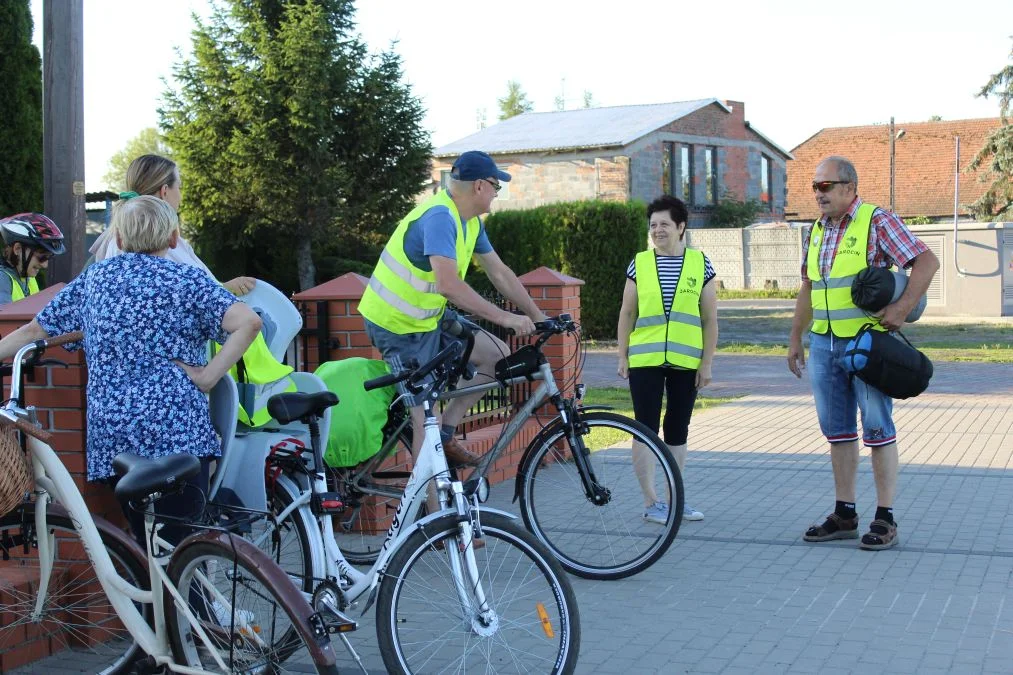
(881, 535)
(834, 527)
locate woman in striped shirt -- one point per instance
(676, 376)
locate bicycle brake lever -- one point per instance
(52, 362)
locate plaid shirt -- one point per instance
(890, 242)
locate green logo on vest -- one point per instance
(851, 241)
(691, 283)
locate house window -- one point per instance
(685, 191)
(710, 175)
(444, 179)
(667, 180)
(765, 192)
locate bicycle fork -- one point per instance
(593, 490)
(467, 578)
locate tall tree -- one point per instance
(295, 143)
(148, 142)
(997, 154)
(589, 101)
(515, 102)
(21, 112)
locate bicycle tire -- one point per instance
(264, 622)
(76, 612)
(288, 544)
(589, 540)
(531, 599)
(356, 531)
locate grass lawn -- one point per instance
(752, 294)
(619, 399)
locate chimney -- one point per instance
(738, 110)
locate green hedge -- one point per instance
(592, 240)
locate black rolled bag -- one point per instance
(887, 362)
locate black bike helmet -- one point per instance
(32, 229)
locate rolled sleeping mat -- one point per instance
(876, 287)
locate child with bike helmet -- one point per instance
(30, 240)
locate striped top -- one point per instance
(669, 269)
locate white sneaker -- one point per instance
(657, 513)
(689, 513)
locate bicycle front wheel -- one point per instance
(513, 612)
(76, 615)
(254, 617)
(632, 468)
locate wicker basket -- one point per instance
(16, 475)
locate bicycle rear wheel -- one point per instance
(611, 540)
(256, 620)
(77, 617)
(373, 498)
(429, 615)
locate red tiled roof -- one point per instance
(923, 159)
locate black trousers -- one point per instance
(679, 388)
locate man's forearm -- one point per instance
(923, 269)
(513, 290)
(465, 297)
(803, 312)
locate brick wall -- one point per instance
(565, 178)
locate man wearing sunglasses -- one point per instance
(850, 236)
(30, 240)
(423, 266)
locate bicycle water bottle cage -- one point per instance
(522, 363)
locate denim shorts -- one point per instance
(399, 350)
(839, 397)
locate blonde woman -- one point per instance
(159, 176)
(146, 321)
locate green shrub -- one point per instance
(590, 240)
(918, 220)
(733, 213)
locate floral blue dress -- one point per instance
(140, 312)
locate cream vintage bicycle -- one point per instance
(214, 603)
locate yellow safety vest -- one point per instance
(831, 297)
(402, 298)
(675, 338)
(18, 293)
(259, 378)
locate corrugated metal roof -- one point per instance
(574, 129)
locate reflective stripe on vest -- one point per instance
(832, 306)
(262, 377)
(402, 298)
(675, 339)
(18, 292)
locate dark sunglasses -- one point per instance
(43, 257)
(495, 186)
(828, 185)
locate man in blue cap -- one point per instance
(423, 266)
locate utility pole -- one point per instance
(63, 130)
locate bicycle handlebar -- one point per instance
(76, 336)
(29, 429)
(416, 375)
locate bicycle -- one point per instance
(578, 490)
(84, 583)
(442, 601)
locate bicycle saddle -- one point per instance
(298, 405)
(141, 477)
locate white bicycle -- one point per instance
(215, 603)
(443, 602)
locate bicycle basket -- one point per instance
(16, 479)
(522, 363)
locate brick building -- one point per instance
(924, 163)
(701, 151)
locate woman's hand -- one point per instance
(703, 375)
(624, 367)
(197, 375)
(240, 285)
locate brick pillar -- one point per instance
(337, 302)
(556, 293)
(59, 395)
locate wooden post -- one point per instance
(63, 130)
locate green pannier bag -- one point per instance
(357, 421)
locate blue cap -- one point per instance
(475, 165)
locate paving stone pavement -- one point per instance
(740, 592)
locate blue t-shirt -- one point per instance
(139, 313)
(435, 233)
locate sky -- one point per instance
(797, 65)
